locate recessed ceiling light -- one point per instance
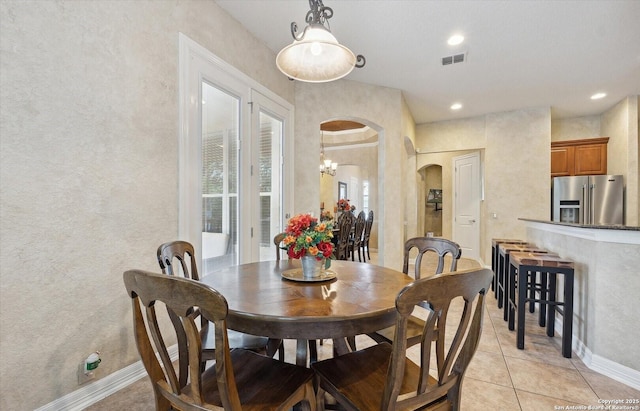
(456, 106)
(455, 39)
(598, 96)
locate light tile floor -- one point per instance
(500, 377)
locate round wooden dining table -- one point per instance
(359, 300)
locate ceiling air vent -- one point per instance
(456, 58)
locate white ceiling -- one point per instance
(519, 53)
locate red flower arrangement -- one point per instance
(307, 236)
(343, 205)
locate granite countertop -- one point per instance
(602, 227)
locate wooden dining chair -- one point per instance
(355, 242)
(381, 377)
(239, 380)
(426, 246)
(277, 241)
(366, 236)
(178, 258)
(345, 223)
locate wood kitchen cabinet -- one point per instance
(579, 157)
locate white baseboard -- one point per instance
(604, 366)
(601, 365)
(93, 392)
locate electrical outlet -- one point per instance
(83, 377)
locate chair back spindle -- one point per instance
(345, 223)
(441, 246)
(182, 253)
(356, 240)
(277, 241)
(367, 235)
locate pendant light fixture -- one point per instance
(326, 166)
(315, 56)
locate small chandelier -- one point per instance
(326, 166)
(315, 55)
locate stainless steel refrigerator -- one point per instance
(596, 200)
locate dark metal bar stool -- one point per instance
(503, 279)
(523, 263)
(494, 258)
(532, 284)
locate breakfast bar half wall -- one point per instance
(606, 292)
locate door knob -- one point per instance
(472, 221)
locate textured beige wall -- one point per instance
(620, 124)
(377, 107)
(412, 224)
(517, 167)
(88, 171)
(328, 191)
(410, 191)
(575, 128)
(453, 135)
(633, 163)
(615, 126)
(515, 149)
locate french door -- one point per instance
(268, 131)
(232, 154)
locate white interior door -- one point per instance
(466, 204)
